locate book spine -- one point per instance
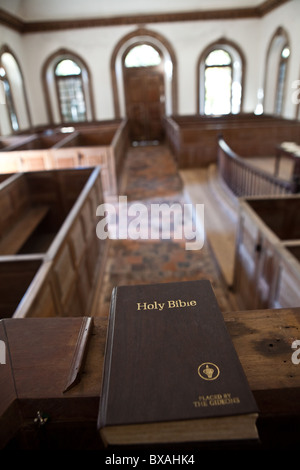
(107, 361)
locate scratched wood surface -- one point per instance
(263, 340)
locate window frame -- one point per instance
(139, 44)
(218, 66)
(50, 90)
(233, 50)
(154, 39)
(59, 78)
(10, 104)
(278, 42)
(281, 81)
(19, 96)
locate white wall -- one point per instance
(288, 17)
(96, 45)
(14, 41)
(188, 40)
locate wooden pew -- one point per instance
(193, 139)
(30, 153)
(4, 177)
(267, 262)
(8, 143)
(16, 276)
(14, 205)
(17, 236)
(65, 242)
(291, 151)
(80, 145)
(94, 145)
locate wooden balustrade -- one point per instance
(243, 179)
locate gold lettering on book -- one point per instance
(219, 399)
(169, 304)
(181, 303)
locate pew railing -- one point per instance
(243, 179)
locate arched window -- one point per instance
(14, 114)
(278, 54)
(68, 76)
(68, 90)
(143, 48)
(296, 98)
(281, 78)
(142, 56)
(8, 100)
(220, 71)
(218, 82)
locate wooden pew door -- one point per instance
(145, 102)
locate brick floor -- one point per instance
(150, 176)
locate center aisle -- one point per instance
(150, 176)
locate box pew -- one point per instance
(16, 275)
(286, 289)
(90, 146)
(19, 217)
(4, 177)
(119, 144)
(193, 139)
(112, 124)
(65, 243)
(30, 154)
(267, 255)
(81, 145)
(9, 142)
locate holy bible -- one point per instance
(171, 373)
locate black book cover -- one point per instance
(169, 358)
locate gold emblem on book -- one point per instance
(208, 371)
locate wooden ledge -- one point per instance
(41, 354)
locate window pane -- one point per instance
(217, 90)
(280, 87)
(218, 57)
(142, 56)
(10, 104)
(71, 99)
(67, 67)
(285, 53)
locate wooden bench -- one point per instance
(16, 237)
